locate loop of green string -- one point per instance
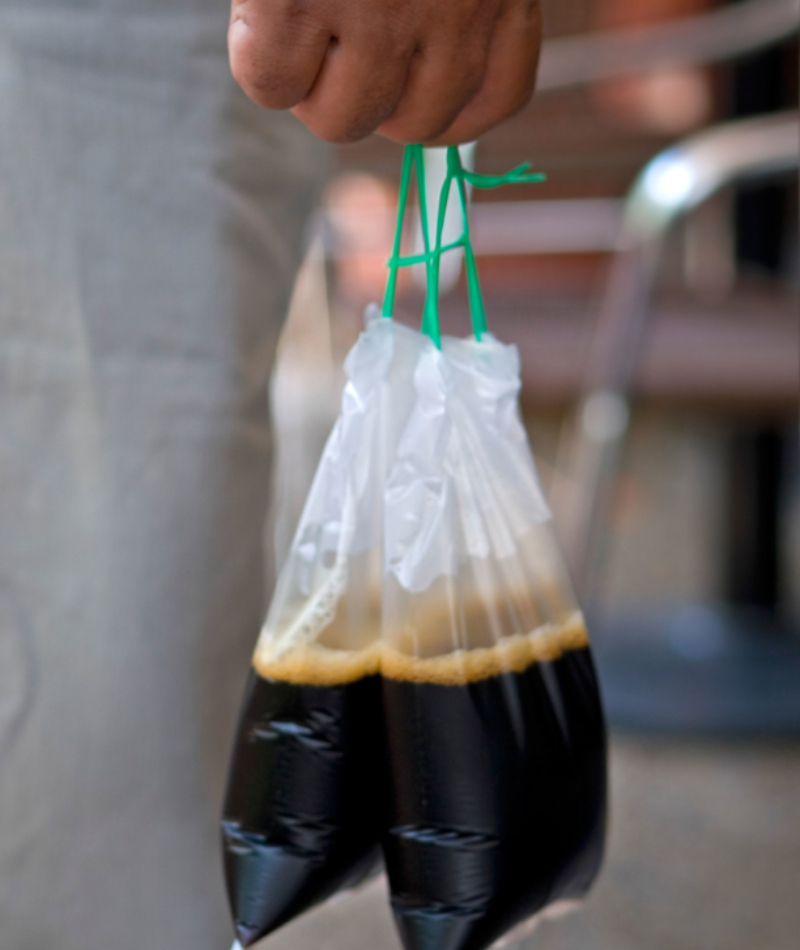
(413, 161)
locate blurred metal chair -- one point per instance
(670, 186)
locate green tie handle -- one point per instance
(413, 160)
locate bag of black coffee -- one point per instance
(495, 738)
(423, 686)
(305, 805)
(495, 735)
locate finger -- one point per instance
(441, 81)
(509, 79)
(358, 86)
(276, 50)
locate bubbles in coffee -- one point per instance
(497, 784)
(304, 808)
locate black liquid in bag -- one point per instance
(303, 812)
(305, 805)
(495, 733)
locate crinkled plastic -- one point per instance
(306, 801)
(494, 728)
(423, 681)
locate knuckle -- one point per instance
(268, 79)
(375, 106)
(269, 87)
(437, 121)
(341, 134)
(272, 92)
(468, 79)
(332, 130)
(352, 114)
(424, 129)
(417, 126)
(427, 131)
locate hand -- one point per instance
(434, 71)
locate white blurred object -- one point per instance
(604, 416)
(682, 177)
(435, 172)
(304, 393)
(561, 226)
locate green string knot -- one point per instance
(413, 160)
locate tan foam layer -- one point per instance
(509, 655)
(315, 665)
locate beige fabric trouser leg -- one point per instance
(151, 220)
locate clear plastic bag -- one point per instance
(423, 684)
(305, 806)
(495, 736)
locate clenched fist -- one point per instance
(433, 71)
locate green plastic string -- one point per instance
(413, 160)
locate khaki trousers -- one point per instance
(151, 221)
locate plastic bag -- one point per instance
(423, 681)
(305, 806)
(495, 737)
